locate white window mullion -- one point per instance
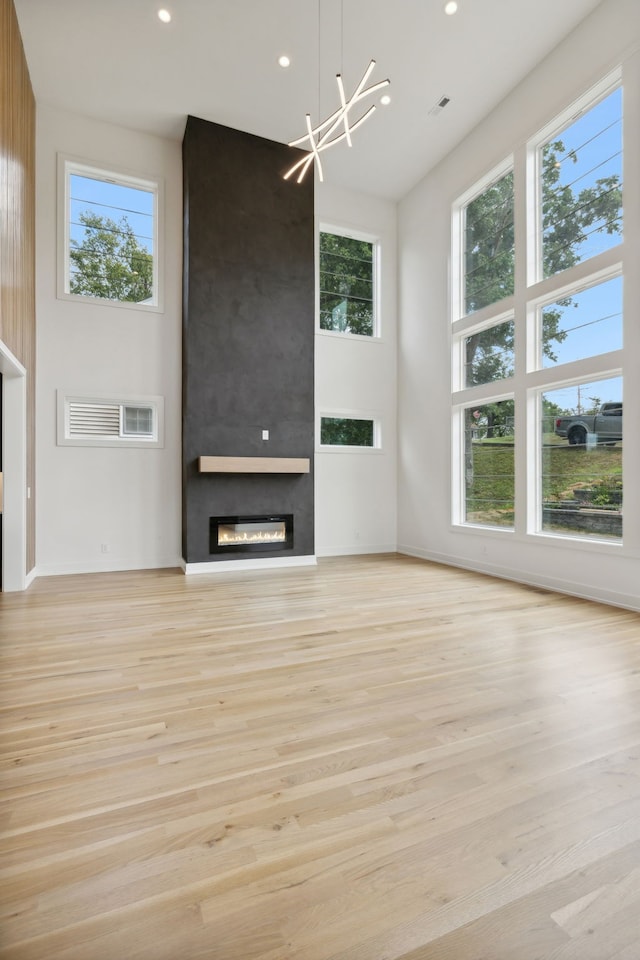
(631, 293)
(523, 239)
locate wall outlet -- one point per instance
(104, 548)
(265, 434)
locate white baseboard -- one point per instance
(264, 563)
(104, 566)
(584, 591)
(356, 550)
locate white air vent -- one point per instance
(439, 106)
(110, 421)
(93, 419)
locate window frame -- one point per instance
(464, 401)
(69, 166)
(352, 234)
(536, 305)
(375, 419)
(467, 328)
(561, 122)
(458, 272)
(536, 482)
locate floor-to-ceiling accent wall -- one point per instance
(248, 331)
(17, 228)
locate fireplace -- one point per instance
(250, 534)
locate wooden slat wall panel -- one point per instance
(17, 226)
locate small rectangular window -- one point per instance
(347, 432)
(488, 254)
(107, 421)
(581, 470)
(581, 187)
(109, 236)
(347, 285)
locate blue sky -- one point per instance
(593, 150)
(113, 201)
(593, 321)
(603, 390)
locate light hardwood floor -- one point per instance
(377, 759)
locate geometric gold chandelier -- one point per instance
(319, 141)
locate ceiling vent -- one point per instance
(439, 106)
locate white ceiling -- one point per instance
(217, 59)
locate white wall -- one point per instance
(128, 499)
(356, 490)
(610, 36)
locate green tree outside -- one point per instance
(108, 262)
(567, 216)
(346, 285)
(346, 431)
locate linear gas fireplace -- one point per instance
(250, 534)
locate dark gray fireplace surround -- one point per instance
(248, 334)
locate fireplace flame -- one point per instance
(256, 536)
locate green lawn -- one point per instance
(565, 467)
(490, 483)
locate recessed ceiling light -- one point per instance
(284, 61)
(450, 7)
(386, 100)
(164, 15)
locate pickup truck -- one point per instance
(605, 425)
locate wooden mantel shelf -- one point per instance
(253, 465)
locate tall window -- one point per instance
(489, 245)
(484, 353)
(544, 350)
(109, 236)
(488, 464)
(581, 180)
(347, 285)
(581, 462)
